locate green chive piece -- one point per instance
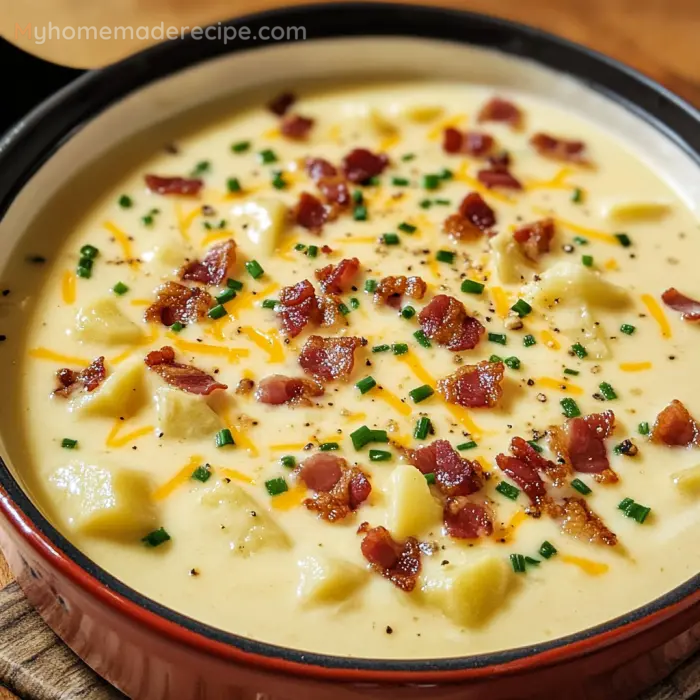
(125, 202)
(399, 348)
(89, 251)
(547, 550)
(577, 196)
(625, 503)
(535, 446)
(495, 358)
(223, 438)
(276, 486)
(572, 372)
(532, 562)
(517, 561)
(254, 269)
(300, 247)
(120, 288)
(379, 456)
(408, 156)
(361, 437)
(156, 538)
(445, 174)
(579, 350)
(425, 204)
(607, 391)
(227, 295)
(267, 303)
(643, 428)
(366, 384)
(570, 408)
(234, 284)
(508, 490)
(634, 510)
(359, 213)
(446, 256)
(217, 311)
(289, 461)
(86, 263)
(233, 184)
(240, 146)
(422, 339)
(406, 227)
(381, 348)
(529, 341)
(358, 197)
(431, 181)
(580, 240)
(512, 362)
(587, 260)
(422, 429)
(624, 239)
(267, 156)
(84, 272)
(581, 487)
(204, 166)
(379, 436)
(278, 181)
(329, 446)
(390, 239)
(312, 251)
(472, 287)
(371, 286)
(202, 473)
(371, 181)
(421, 393)
(408, 311)
(400, 181)
(499, 338)
(627, 328)
(69, 444)
(354, 303)
(521, 307)
(430, 478)
(467, 445)
(442, 202)
(343, 309)
(176, 327)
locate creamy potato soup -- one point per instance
(393, 371)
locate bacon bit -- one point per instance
(534, 238)
(559, 149)
(499, 160)
(454, 475)
(360, 165)
(335, 279)
(474, 218)
(278, 389)
(675, 426)
(296, 127)
(335, 190)
(178, 303)
(498, 177)
(329, 311)
(688, 308)
(245, 386)
(321, 472)
(327, 359)
(579, 521)
(215, 267)
(500, 110)
(89, 378)
(318, 168)
(184, 377)
(282, 103)
(390, 290)
(471, 143)
(526, 453)
(297, 306)
(396, 561)
(174, 185)
(310, 212)
(466, 520)
(524, 476)
(474, 386)
(446, 321)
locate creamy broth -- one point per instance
(267, 586)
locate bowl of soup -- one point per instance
(361, 364)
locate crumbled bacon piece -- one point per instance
(499, 110)
(181, 376)
(174, 185)
(524, 476)
(500, 159)
(245, 386)
(454, 475)
(466, 520)
(278, 389)
(89, 378)
(310, 212)
(215, 267)
(675, 426)
(474, 386)
(360, 165)
(335, 190)
(391, 290)
(579, 521)
(471, 143)
(558, 472)
(176, 303)
(498, 177)
(296, 127)
(559, 149)
(297, 306)
(688, 308)
(335, 279)
(280, 104)
(534, 239)
(400, 562)
(446, 321)
(473, 218)
(318, 168)
(329, 311)
(322, 471)
(327, 359)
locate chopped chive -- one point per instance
(547, 550)
(495, 358)
(422, 339)
(472, 287)
(577, 196)
(408, 156)
(227, 295)
(69, 444)
(156, 538)
(267, 156)
(84, 272)
(366, 384)
(371, 285)
(442, 202)
(223, 438)
(408, 311)
(86, 263)
(202, 473)
(234, 284)
(580, 487)
(372, 181)
(532, 562)
(607, 391)
(521, 307)
(406, 227)
(399, 348)
(445, 174)
(125, 202)
(579, 350)
(421, 393)
(381, 348)
(204, 166)
(240, 146)
(517, 561)
(359, 213)
(643, 428)
(343, 309)
(499, 338)
(89, 251)
(627, 328)
(570, 408)
(379, 436)
(625, 503)
(147, 220)
(278, 181)
(120, 288)
(400, 181)
(267, 303)
(361, 437)
(431, 181)
(587, 260)
(446, 256)
(379, 456)
(512, 362)
(300, 247)
(233, 184)
(354, 303)
(176, 327)
(276, 486)
(624, 239)
(289, 461)
(535, 446)
(430, 478)
(254, 269)
(572, 372)
(467, 445)
(329, 446)
(390, 239)
(422, 428)
(633, 510)
(312, 251)
(508, 490)
(580, 240)
(217, 311)
(358, 197)
(425, 204)
(529, 341)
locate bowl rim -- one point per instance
(35, 138)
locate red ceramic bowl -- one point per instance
(153, 653)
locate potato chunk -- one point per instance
(182, 415)
(509, 262)
(580, 326)
(327, 580)
(266, 219)
(167, 252)
(240, 518)
(104, 322)
(687, 481)
(473, 593)
(412, 509)
(104, 501)
(122, 394)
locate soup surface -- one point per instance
(409, 400)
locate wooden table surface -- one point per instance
(658, 37)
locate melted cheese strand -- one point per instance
(558, 182)
(635, 366)
(558, 385)
(549, 340)
(581, 230)
(267, 341)
(239, 437)
(657, 314)
(215, 236)
(462, 416)
(500, 301)
(592, 568)
(68, 287)
(454, 121)
(123, 240)
(507, 532)
(184, 221)
(115, 442)
(289, 499)
(235, 475)
(182, 477)
(394, 401)
(288, 447)
(233, 355)
(46, 354)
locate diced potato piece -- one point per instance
(472, 594)
(573, 283)
(183, 416)
(266, 219)
(688, 481)
(122, 394)
(104, 322)
(508, 260)
(422, 114)
(581, 327)
(240, 518)
(167, 252)
(631, 210)
(412, 508)
(381, 124)
(327, 580)
(109, 502)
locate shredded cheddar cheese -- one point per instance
(231, 354)
(657, 314)
(123, 240)
(462, 175)
(288, 447)
(184, 221)
(214, 236)
(558, 182)
(68, 287)
(391, 399)
(267, 341)
(289, 499)
(592, 568)
(562, 385)
(507, 532)
(181, 477)
(113, 441)
(52, 356)
(234, 475)
(549, 340)
(500, 301)
(635, 366)
(582, 230)
(454, 121)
